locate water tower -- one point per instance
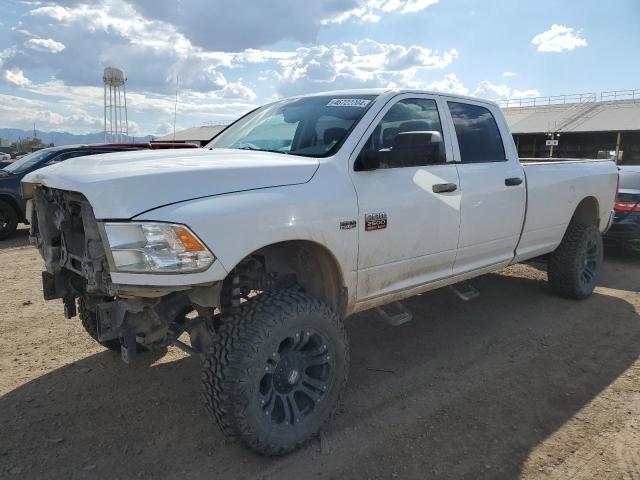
(116, 125)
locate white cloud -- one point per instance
(491, 91)
(558, 38)
(412, 6)
(509, 74)
(372, 10)
(44, 45)
(15, 76)
(485, 89)
(530, 93)
(350, 65)
(449, 84)
(238, 90)
(53, 11)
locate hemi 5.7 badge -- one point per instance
(375, 221)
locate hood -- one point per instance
(124, 184)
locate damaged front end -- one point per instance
(77, 257)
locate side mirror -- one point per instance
(418, 148)
(416, 140)
(367, 160)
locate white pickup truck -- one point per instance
(296, 216)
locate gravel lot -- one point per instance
(515, 384)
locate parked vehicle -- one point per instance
(12, 206)
(625, 228)
(298, 215)
(5, 159)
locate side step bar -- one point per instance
(402, 315)
(465, 291)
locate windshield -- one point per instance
(310, 126)
(25, 163)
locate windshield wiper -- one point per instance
(247, 147)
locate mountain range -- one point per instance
(60, 138)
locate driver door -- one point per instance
(409, 207)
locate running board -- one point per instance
(465, 291)
(402, 315)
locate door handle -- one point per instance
(512, 182)
(444, 187)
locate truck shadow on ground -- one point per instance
(466, 390)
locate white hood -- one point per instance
(124, 184)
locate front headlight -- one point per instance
(156, 248)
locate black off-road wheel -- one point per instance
(277, 370)
(89, 321)
(574, 266)
(8, 220)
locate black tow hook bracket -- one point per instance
(128, 347)
(111, 325)
(110, 318)
(69, 302)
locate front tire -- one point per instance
(8, 220)
(574, 266)
(277, 371)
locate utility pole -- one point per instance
(552, 141)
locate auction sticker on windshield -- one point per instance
(349, 102)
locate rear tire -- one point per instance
(277, 371)
(8, 220)
(574, 266)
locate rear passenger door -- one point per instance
(492, 185)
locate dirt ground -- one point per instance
(515, 384)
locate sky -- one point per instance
(226, 57)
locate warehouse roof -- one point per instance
(198, 134)
(620, 115)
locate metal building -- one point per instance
(577, 126)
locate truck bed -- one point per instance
(554, 190)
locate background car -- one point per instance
(5, 159)
(626, 222)
(12, 206)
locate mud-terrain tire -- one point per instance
(574, 266)
(8, 220)
(282, 347)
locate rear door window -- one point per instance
(479, 138)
